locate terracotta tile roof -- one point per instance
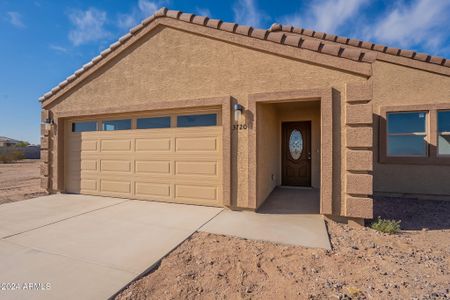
(328, 44)
(363, 45)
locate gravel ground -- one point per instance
(364, 264)
(19, 181)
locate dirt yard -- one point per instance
(363, 264)
(19, 181)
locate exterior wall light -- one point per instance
(238, 109)
(48, 124)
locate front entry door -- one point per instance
(296, 153)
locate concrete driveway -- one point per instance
(86, 247)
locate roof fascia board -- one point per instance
(414, 64)
(351, 66)
(390, 58)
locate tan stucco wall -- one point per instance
(268, 158)
(395, 85)
(176, 65)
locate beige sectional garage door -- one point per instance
(175, 164)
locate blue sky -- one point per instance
(42, 41)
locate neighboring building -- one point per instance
(195, 110)
(31, 151)
(7, 142)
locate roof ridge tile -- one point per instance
(411, 54)
(175, 14)
(228, 26)
(259, 33)
(243, 29)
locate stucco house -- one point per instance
(7, 142)
(195, 110)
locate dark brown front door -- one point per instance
(296, 153)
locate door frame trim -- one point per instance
(283, 145)
(225, 103)
(325, 96)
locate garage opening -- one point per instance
(163, 156)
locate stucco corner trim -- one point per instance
(325, 96)
(358, 159)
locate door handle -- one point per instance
(309, 155)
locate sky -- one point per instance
(44, 41)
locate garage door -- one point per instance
(181, 165)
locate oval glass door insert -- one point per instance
(296, 144)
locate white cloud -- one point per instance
(147, 7)
(247, 13)
(203, 12)
(59, 49)
(126, 21)
(325, 15)
(15, 19)
(88, 26)
(142, 10)
(422, 23)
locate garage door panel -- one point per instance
(88, 185)
(86, 165)
(108, 165)
(89, 146)
(155, 144)
(153, 167)
(197, 156)
(195, 193)
(181, 165)
(107, 156)
(109, 186)
(115, 145)
(196, 144)
(161, 190)
(208, 168)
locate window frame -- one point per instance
(172, 113)
(439, 133)
(197, 114)
(423, 133)
(136, 119)
(102, 122)
(431, 137)
(73, 122)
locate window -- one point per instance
(84, 126)
(406, 133)
(444, 132)
(117, 125)
(156, 122)
(197, 120)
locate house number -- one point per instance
(240, 127)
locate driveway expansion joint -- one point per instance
(61, 220)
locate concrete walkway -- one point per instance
(85, 247)
(289, 216)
